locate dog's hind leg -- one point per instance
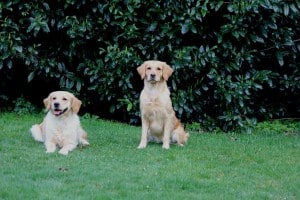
(82, 137)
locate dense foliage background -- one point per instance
(235, 62)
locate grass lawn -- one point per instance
(211, 166)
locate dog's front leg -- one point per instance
(50, 147)
(167, 133)
(166, 140)
(145, 128)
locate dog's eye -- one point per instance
(53, 98)
(158, 69)
(64, 99)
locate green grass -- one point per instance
(211, 166)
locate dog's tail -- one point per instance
(82, 136)
(37, 133)
(179, 135)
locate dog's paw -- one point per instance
(85, 143)
(141, 146)
(50, 150)
(63, 151)
(166, 146)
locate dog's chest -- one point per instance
(153, 98)
(154, 109)
(155, 104)
(60, 126)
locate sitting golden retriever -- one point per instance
(61, 126)
(159, 123)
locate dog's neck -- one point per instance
(155, 91)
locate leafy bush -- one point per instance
(288, 127)
(235, 62)
(22, 106)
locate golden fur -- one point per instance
(159, 122)
(61, 126)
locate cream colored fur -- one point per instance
(159, 123)
(61, 126)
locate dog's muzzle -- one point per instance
(57, 111)
(152, 78)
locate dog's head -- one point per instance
(154, 71)
(62, 102)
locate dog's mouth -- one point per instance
(152, 80)
(58, 112)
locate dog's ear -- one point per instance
(142, 70)
(47, 103)
(76, 104)
(167, 71)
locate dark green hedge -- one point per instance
(235, 62)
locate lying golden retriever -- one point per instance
(159, 123)
(61, 126)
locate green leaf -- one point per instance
(218, 6)
(30, 76)
(46, 5)
(78, 86)
(293, 8)
(152, 26)
(230, 7)
(129, 107)
(46, 28)
(9, 64)
(228, 97)
(204, 87)
(241, 103)
(286, 9)
(193, 29)
(184, 28)
(259, 39)
(31, 26)
(19, 49)
(280, 58)
(257, 86)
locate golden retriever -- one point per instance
(159, 123)
(61, 126)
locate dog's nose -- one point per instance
(56, 105)
(152, 76)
